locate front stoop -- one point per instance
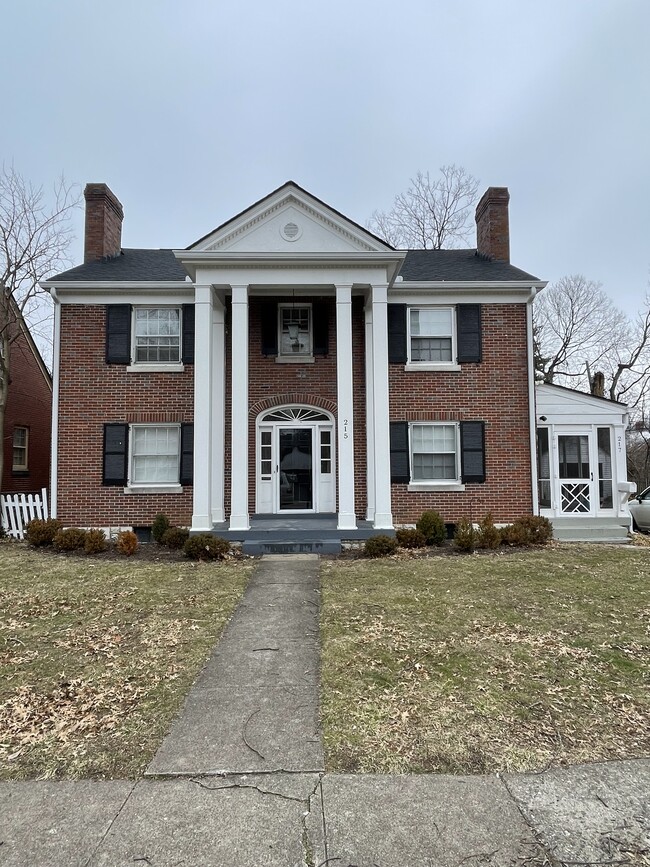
(575, 528)
(296, 534)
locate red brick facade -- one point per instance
(494, 391)
(93, 393)
(29, 405)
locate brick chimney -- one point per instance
(598, 384)
(492, 226)
(104, 215)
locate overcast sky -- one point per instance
(192, 111)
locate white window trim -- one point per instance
(286, 358)
(156, 366)
(431, 484)
(20, 468)
(153, 487)
(440, 366)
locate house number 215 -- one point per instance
(345, 428)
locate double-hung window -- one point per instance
(20, 449)
(431, 335)
(434, 453)
(157, 335)
(295, 331)
(155, 455)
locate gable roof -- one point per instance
(135, 265)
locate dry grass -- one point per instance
(98, 656)
(483, 663)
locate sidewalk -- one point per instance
(239, 780)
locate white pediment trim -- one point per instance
(345, 234)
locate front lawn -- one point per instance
(472, 664)
(97, 656)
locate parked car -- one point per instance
(640, 509)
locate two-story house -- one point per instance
(292, 371)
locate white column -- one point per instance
(202, 508)
(370, 417)
(383, 519)
(347, 519)
(239, 391)
(218, 411)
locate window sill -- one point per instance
(290, 359)
(442, 487)
(178, 367)
(153, 489)
(19, 473)
(412, 366)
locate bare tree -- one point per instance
(432, 213)
(34, 240)
(579, 331)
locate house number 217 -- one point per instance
(345, 428)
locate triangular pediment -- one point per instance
(290, 220)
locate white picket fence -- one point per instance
(17, 510)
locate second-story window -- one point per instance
(431, 335)
(295, 330)
(157, 335)
(20, 447)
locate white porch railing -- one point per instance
(17, 510)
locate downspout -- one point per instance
(532, 415)
(56, 357)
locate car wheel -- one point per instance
(635, 526)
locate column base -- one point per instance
(383, 521)
(346, 521)
(202, 523)
(239, 522)
(218, 516)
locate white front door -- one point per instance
(295, 462)
(576, 485)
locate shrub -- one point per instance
(528, 530)
(159, 527)
(127, 543)
(432, 528)
(70, 539)
(410, 539)
(95, 542)
(465, 535)
(488, 535)
(175, 537)
(39, 532)
(380, 546)
(203, 546)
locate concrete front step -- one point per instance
(577, 529)
(293, 546)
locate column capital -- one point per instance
(239, 293)
(343, 293)
(379, 293)
(203, 293)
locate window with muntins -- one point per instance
(431, 335)
(155, 453)
(434, 453)
(295, 330)
(157, 335)
(20, 449)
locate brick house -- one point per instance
(28, 418)
(291, 373)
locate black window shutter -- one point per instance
(187, 454)
(399, 452)
(397, 333)
(320, 315)
(269, 314)
(468, 326)
(472, 447)
(116, 452)
(118, 334)
(188, 334)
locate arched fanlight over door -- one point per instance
(295, 413)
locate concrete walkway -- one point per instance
(239, 781)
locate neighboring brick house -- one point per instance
(292, 364)
(28, 418)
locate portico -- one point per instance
(290, 245)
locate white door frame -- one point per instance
(267, 484)
(591, 483)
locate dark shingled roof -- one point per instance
(132, 265)
(419, 265)
(458, 265)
